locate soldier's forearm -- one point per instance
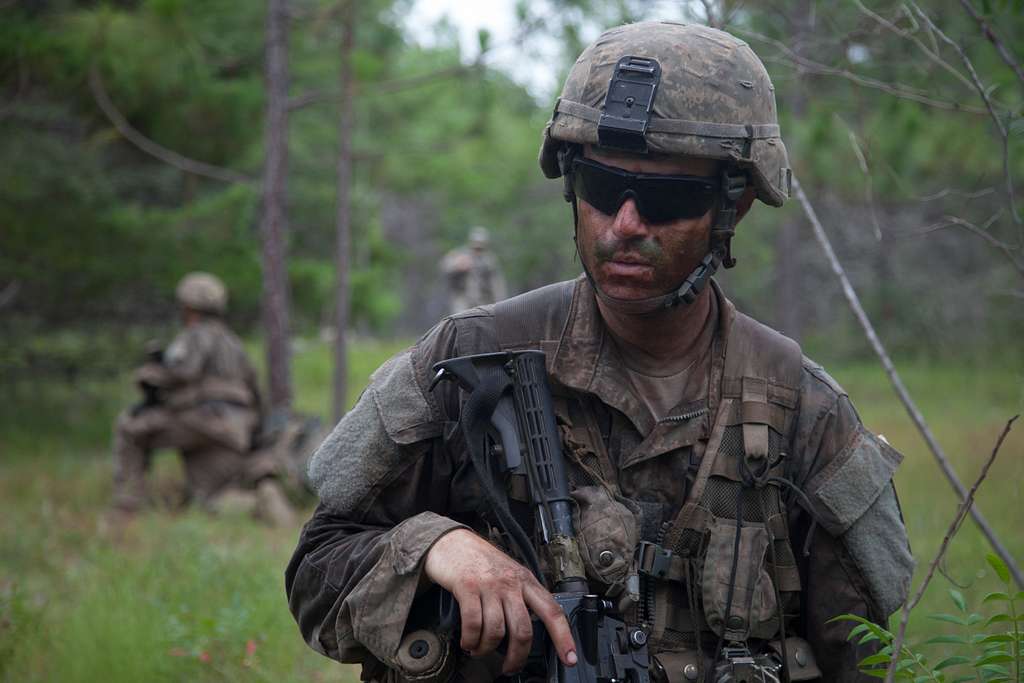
(342, 568)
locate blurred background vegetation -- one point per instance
(885, 128)
(96, 232)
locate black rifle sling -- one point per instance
(475, 420)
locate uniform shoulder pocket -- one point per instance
(851, 483)
(403, 408)
(365, 447)
(856, 502)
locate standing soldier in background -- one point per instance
(474, 276)
(202, 398)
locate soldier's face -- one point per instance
(631, 258)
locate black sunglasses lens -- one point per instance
(659, 199)
(600, 188)
(663, 200)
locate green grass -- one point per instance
(170, 597)
(181, 596)
(966, 409)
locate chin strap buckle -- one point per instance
(694, 285)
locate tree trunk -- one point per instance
(346, 126)
(274, 220)
(790, 312)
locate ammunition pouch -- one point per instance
(608, 533)
(750, 598)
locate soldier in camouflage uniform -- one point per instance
(729, 498)
(201, 398)
(473, 274)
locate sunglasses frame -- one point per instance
(633, 185)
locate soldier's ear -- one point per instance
(745, 202)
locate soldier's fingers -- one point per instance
(493, 629)
(520, 634)
(471, 615)
(545, 607)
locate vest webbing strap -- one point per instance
(753, 354)
(538, 315)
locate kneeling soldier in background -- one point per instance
(202, 398)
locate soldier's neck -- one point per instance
(667, 339)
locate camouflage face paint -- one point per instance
(648, 248)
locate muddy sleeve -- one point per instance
(858, 558)
(383, 477)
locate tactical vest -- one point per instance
(720, 568)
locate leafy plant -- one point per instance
(984, 649)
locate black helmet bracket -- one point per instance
(734, 184)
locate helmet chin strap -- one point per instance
(734, 183)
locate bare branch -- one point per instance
(952, 221)
(894, 378)
(312, 97)
(1004, 52)
(980, 87)
(953, 191)
(933, 55)
(409, 82)
(709, 14)
(958, 519)
(910, 191)
(395, 85)
(152, 148)
(975, 81)
(731, 15)
(982, 231)
(869, 185)
(898, 90)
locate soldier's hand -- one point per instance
(495, 595)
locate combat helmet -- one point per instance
(677, 89)
(203, 292)
(479, 235)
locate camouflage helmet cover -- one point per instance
(203, 292)
(715, 101)
(479, 235)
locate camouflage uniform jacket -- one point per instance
(392, 478)
(207, 381)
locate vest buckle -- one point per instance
(653, 560)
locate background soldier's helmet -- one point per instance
(714, 100)
(203, 292)
(479, 236)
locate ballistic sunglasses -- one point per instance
(659, 198)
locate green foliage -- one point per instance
(983, 648)
(442, 145)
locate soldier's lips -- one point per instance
(627, 268)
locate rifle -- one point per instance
(509, 423)
(147, 377)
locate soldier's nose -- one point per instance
(628, 221)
